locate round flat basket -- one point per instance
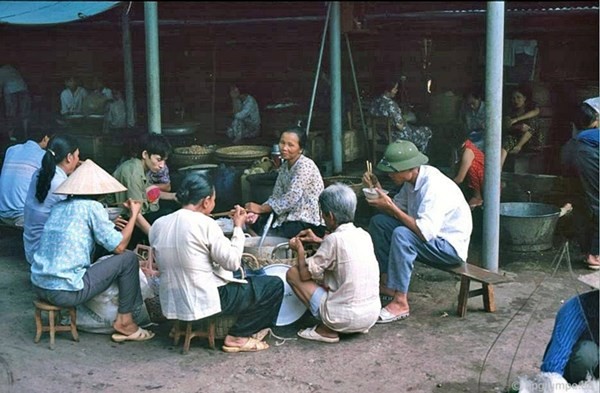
(191, 155)
(242, 152)
(292, 308)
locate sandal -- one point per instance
(311, 334)
(139, 335)
(252, 345)
(261, 334)
(386, 317)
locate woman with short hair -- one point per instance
(196, 262)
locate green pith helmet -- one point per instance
(401, 156)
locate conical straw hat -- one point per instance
(89, 179)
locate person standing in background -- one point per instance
(246, 117)
(16, 99)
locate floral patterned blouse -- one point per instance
(384, 106)
(296, 193)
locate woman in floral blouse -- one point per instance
(385, 106)
(295, 198)
(521, 126)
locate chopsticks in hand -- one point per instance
(223, 214)
(369, 177)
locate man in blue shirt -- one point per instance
(573, 349)
(20, 162)
(580, 155)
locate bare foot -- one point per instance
(593, 262)
(233, 341)
(397, 308)
(125, 329)
(474, 202)
(326, 332)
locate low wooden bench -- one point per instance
(468, 272)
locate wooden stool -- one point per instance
(189, 334)
(54, 316)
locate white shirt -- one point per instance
(346, 262)
(439, 207)
(194, 258)
(71, 103)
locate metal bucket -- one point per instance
(526, 226)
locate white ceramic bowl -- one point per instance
(113, 212)
(371, 193)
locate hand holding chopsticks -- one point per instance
(369, 177)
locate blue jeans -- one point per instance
(397, 248)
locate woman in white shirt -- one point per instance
(197, 261)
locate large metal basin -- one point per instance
(269, 249)
(526, 226)
(173, 129)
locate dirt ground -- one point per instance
(432, 351)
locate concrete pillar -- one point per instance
(152, 66)
(493, 133)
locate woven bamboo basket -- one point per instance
(191, 155)
(353, 182)
(242, 153)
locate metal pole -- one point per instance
(314, 92)
(336, 87)
(493, 134)
(128, 70)
(214, 88)
(152, 66)
(362, 118)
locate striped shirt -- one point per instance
(577, 319)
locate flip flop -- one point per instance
(139, 335)
(252, 345)
(386, 317)
(311, 334)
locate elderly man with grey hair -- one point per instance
(340, 283)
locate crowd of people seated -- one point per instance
(356, 278)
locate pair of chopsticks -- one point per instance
(369, 172)
(222, 214)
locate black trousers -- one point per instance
(256, 304)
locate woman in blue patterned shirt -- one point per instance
(62, 272)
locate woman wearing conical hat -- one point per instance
(62, 272)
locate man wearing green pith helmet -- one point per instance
(428, 220)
